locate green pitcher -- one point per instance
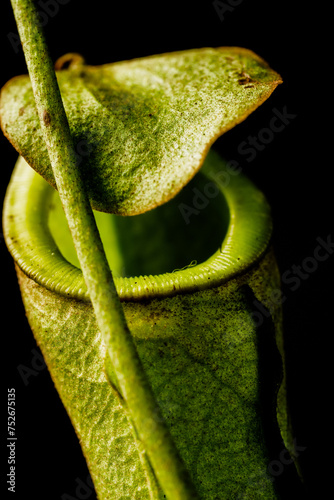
(190, 297)
(196, 275)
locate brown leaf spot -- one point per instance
(46, 118)
(21, 111)
(245, 78)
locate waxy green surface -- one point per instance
(236, 224)
(141, 128)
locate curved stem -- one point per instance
(153, 432)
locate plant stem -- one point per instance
(153, 432)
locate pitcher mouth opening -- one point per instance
(214, 229)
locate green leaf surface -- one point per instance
(141, 128)
(213, 365)
(207, 364)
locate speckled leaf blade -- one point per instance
(142, 128)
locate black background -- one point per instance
(292, 170)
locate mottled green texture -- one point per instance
(74, 352)
(144, 141)
(141, 128)
(213, 366)
(208, 366)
